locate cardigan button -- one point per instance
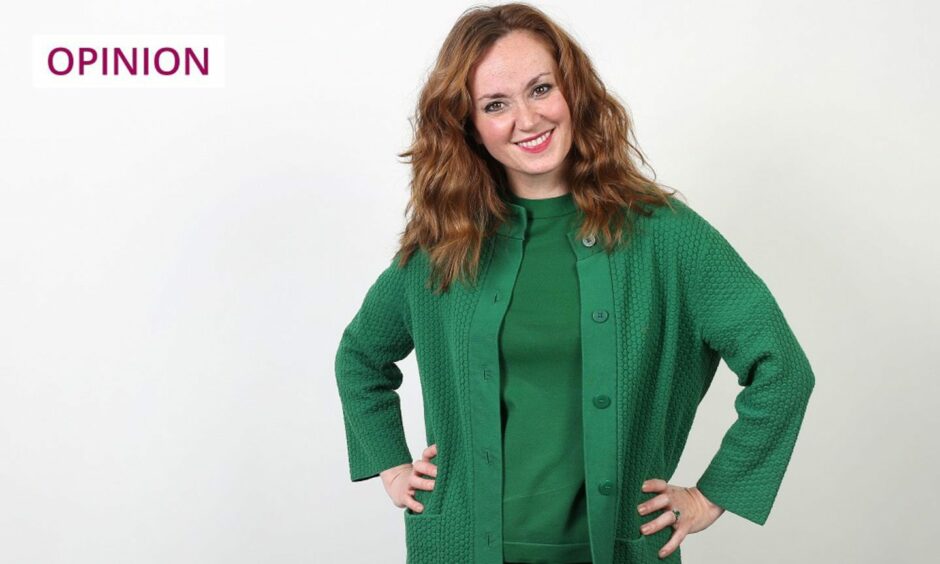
(606, 487)
(600, 315)
(601, 401)
(589, 241)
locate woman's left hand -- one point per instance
(696, 512)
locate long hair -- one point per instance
(458, 188)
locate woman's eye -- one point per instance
(546, 87)
(490, 107)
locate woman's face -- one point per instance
(519, 112)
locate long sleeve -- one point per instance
(736, 315)
(367, 377)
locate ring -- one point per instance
(676, 513)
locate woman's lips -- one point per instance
(541, 146)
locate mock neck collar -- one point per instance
(516, 226)
(517, 223)
(538, 208)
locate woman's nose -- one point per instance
(527, 116)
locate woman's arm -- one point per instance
(736, 315)
(367, 376)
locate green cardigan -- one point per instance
(658, 315)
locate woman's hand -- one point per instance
(401, 481)
(696, 512)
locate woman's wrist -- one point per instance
(389, 474)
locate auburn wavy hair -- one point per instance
(458, 190)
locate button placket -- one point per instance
(598, 340)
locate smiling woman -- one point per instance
(568, 314)
(528, 131)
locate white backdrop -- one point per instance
(177, 266)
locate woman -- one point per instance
(567, 314)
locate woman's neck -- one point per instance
(538, 191)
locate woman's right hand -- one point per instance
(401, 481)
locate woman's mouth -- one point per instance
(538, 144)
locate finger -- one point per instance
(657, 524)
(673, 543)
(431, 451)
(413, 504)
(420, 483)
(654, 485)
(658, 502)
(426, 468)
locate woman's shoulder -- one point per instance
(675, 219)
(411, 273)
(417, 261)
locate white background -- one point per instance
(177, 266)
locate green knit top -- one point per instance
(544, 504)
(657, 316)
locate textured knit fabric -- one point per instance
(544, 501)
(657, 316)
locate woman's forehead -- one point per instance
(512, 62)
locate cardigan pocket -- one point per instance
(645, 548)
(423, 537)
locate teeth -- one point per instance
(535, 142)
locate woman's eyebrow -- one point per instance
(501, 95)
